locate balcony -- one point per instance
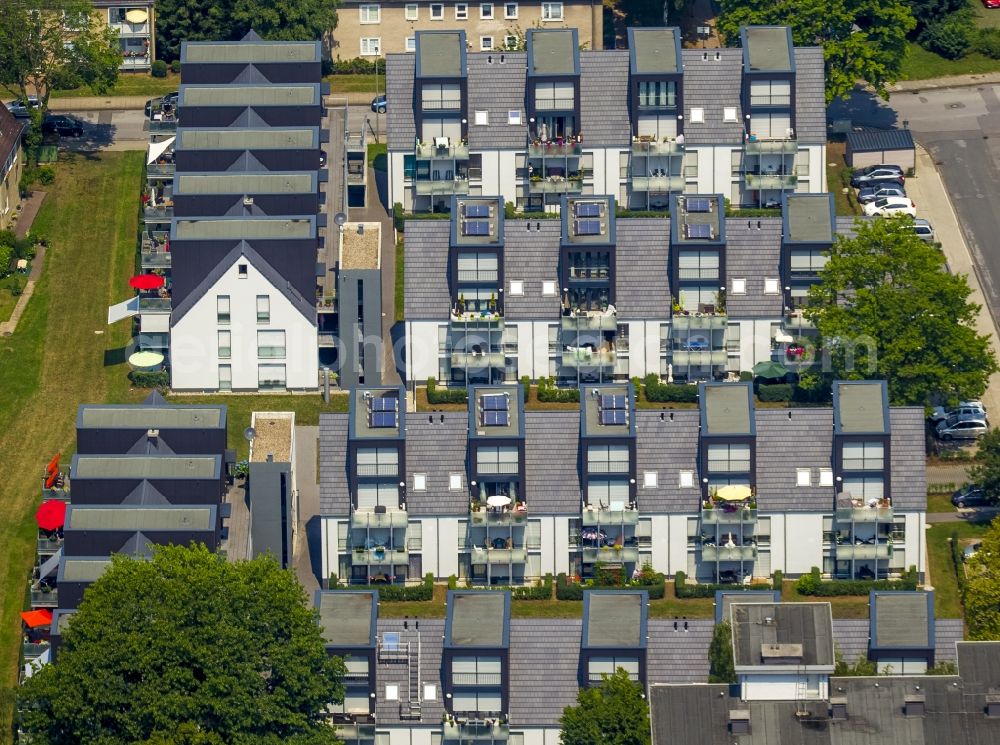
(721, 516)
(599, 273)
(45, 545)
(378, 469)
(378, 556)
(126, 29)
(555, 185)
(848, 551)
(702, 357)
(433, 187)
(587, 357)
(471, 320)
(447, 152)
(771, 180)
(747, 552)
(155, 259)
(864, 514)
(610, 554)
(326, 303)
(590, 322)
(477, 359)
(387, 519)
(498, 555)
(43, 599)
(657, 147)
(158, 213)
(478, 275)
(625, 516)
(474, 732)
(160, 169)
(770, 147)
(796, 321)
(55, 493)
(658, 183)
(480, 517)
(34, 650)
(704, 322)
(163, 126)
(154, 305)
(554, 149)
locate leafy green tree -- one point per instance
(56, 44)
(861, 39)
(187, 648)
(862, 666)
(986, 472)
(289, 20)
(886, 308)
(928, 11)
(982, 588)
(721, 667)
(951, 36)
(613, 713)
(191, 20)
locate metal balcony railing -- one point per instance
(378, 469)
(495, 467)
(591, 516)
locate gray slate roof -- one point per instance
(908, 469)
(334, 493)
(783, 445)
(876, 140)
(552, 479)
(810, 96)
(753, 255)
(436, 449)
(668, 447)
(711, 85)
(604, 114)
(400, 129)
(498, 89)
(641, 275)
(533, 258)
(427, 296)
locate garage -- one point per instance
(872, 147)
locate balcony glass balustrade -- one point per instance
(594, 321)
(555, 185)
(369, 519)
(704, 322)
(554, 149)
(484, 516)
(720, 515)
(430, 151)
(592, 516)
(610, 554)
(474, 733)
(657, 147)
(746, 552)
(658, 183)
(481, 555)
(770, 147)
(378, 556)
(880, 550)
(771, 180)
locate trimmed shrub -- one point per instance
(987, 42)
(951, 37)
(566, 590)
(548, 393)
(702, 590)
(775, 392)
(957, 565)
(526, 387)
(175, 66)
(746, 376)
(159, 379)
(452, 582)
(540, 591)
(659, 392)
(437, 395)
(356, 66)
(812, 584)
(46, 175)
(397, 216)
(776, 582)
(396, 593)
(159, 69)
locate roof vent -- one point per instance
(739, 721)
(718, 56)
(914, 705)
(152, 434)
(361, 229)
(503, 61)
(993, 703)
(838, 707)
(248, 201)
(704, 55)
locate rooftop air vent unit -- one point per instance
(914, 705)
(248, 201)
(739, 722)
(152, 434)
(838, 707)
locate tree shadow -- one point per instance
(119, 356)
(863, 109)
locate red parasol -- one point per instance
(147, 281)
(36, 618)
(51, 515)
(53, 465)
(51, 479)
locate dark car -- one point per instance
(873, 174)
(971, 495)
(880, 189)
(379, 103)
(62, 125)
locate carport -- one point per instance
(870, 147)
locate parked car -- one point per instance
(20, 109)
(322, 158)
(973, 548)
(991, 3)
(881, 189)
(964, 409)
(379, 103)
(873, 174)
(888, 206)
(64, 126)
(962, 428)
(971, 495)
(923, 228)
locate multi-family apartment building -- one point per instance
(11, 165)
(596, 297)
(499, 494)
(641, 124)
(369, 30)
(135, 23)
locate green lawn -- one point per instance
(356, 83)
(7, 298)
(947, 603)
(838, 178)
(985, 17)
(919, 64)
(130, 84)
(400, 279)
(939, 503)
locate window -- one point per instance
(554, 96)
(729, 458)
(477, 267)
(657, 93)
(485, 43)
(378, 462)
(607, 459)
(454, 481)
(242, 269)
(826, 477)
(369, 13)
(483, 671)
(430, 692)
(370, 46)
(481, 118)
(729, 114)
(803, 476)
(805, 261)
(739, 286)
(391, 692)
(698, 115)
(516, 287)
(437, 11)
(600, 667)
(510, 10)
(649, 479)
(770, 92)
(271, 344)
(686, 479)
(771, 287)
(263, 309)
(222, 308)
(866, 488)
(461, 11)
(445, 97)
(271, 377)
(498, 459)
(510, 42)
(411, 43)
(552, 11)
(225, 377)
(420, 482)
(225, 344)
(514, 118)
(548, 288)
(412, 11)
(698, 265)
(863, 456)
(486, 10)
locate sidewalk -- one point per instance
(31, 206)
(125, 103)
(927, 190)
(949, 81)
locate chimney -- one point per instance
(270, 457)
(739, 721)
(993, 703)
(914, 705)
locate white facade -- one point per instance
(785, 687)
(272, 345)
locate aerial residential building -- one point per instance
(11, 165)
(642, 124)
(135, 23)
(370, 30)
(499, 494)
(595, 297)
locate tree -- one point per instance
(928, 11)
(982, 588)
(986, 472)
(63, 45)
(288, 20)
(721, 667)
(951, 36)
(862, 666)
(191, 20)
(613, 713)
(886, 308)
(187, 648)
(861, 39)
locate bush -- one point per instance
(437, 395)
(653, 583)
(775, 392)
(812, 584)
(159, 379)
(452, 581)
(159, 69)
(6, 255)
(659, 392)
(397, 216)
(951, 37)
(356, 66)
(987, 42)
(746, 376)
(46, 175)
(956, 562)
(396, 593)
(548, 393)
(540, 591)
(703, 590)
(778, 580)
(175, 66)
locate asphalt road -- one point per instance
(109, 129)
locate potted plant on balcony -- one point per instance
(379, 552)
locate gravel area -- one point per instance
(274, 436)
(360, 251)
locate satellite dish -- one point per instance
(340, 218)
(249, 433)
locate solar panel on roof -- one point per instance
(613, 401)
(698, 205)
(477, 210)
(699, 231)
(384, 403)
(383, 419)
(476, 227)
(588, 227)
(588, 209)
(613, 416)
(496, 418)
(495, 402)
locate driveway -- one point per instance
(108, 130)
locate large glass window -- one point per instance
(377, 461)
(369, 13)
(657, 93)
(599, 667)
(271, 344)
(500, 459)
(806, 261)
(607, 459)
(865, 488)
(271, 377)
(379, 494)
(607, 493)
(863, 456)
(222, 308)
(698, 265)
(225, 344)
(263, 309)
(440, 97)
(477, 267)
(554, 96)
(729, 458)
(552, 11)
(770, 93)
(479, 671)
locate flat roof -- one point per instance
(614, 619)
(800, 633)
(440, 54)
(727, 409)
(489, 403)
(902, 619)
(244, 228)
(478, 618)
(468, 214)
(250, 95)
(595, 405)
(582, 227)
(92, 416)
(235, 138)
(133, 519)
(252, 51)
(245, 183)
(83, 569)
(809, 218)
(654, 50)
(553, 52)
(273, 436)
(725, 598)
(146, 467)
(360, 245)
(60, 620)
(692, 213)
(347, 618)
(860, 406)
(367, 403)
(768, 48)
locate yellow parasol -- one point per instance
(733, 493)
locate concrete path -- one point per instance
(96, 103)
(308, 544)
(28, 213)
(238, 542)
(949, 81)
(980, 515)
(947, 474)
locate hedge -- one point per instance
(541, 591)
(393, 593)
(140, 379)
(811, 584)
(548, 393)
(437, 395)
(703, 590)
(956, 560)
(656, 391)
(775, 392)
(778, 580)
(566, 590)
(399, 217)
(356, 66)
